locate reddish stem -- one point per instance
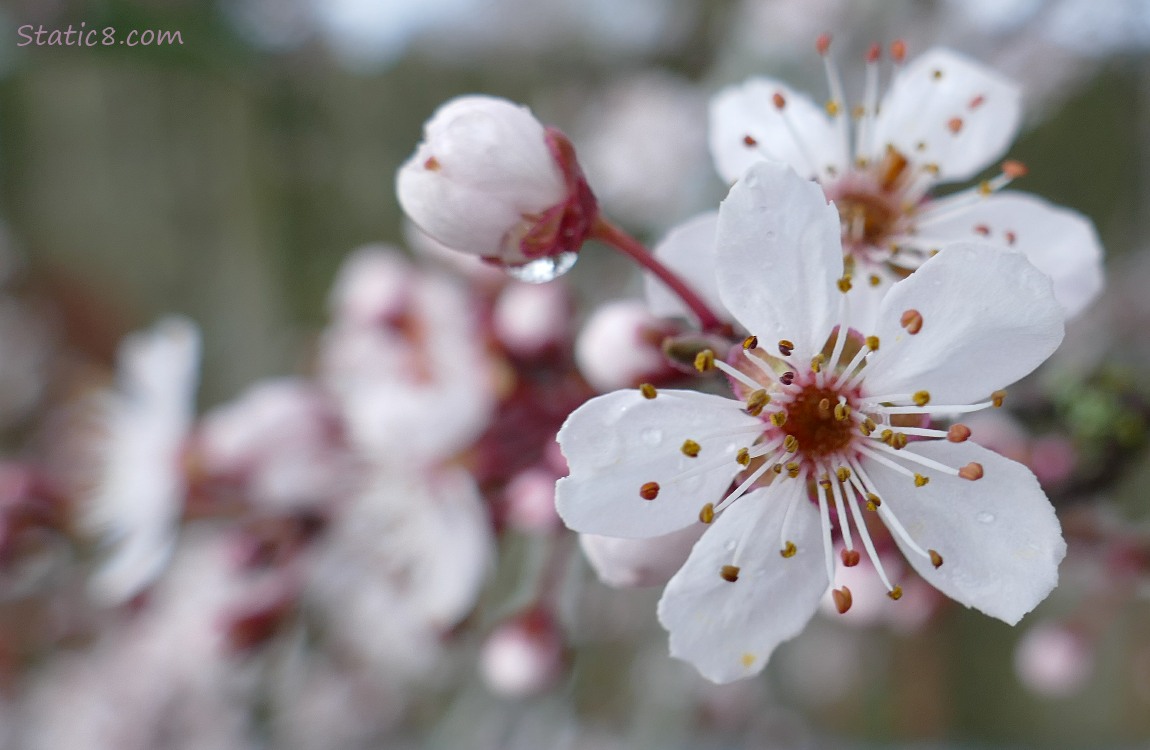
(611, 234)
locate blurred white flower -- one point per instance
(280, 445)
(621, 346)
(138, 496)
(524, 656)
(530, 319)
(1053, 660)
(405, 360)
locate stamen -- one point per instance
(766, 369)
(705, 360)
(972, 471)
(931, 409)
(786, 347)
(997, 398)
(887, 515)
(864, 533)
(690, 448)
(648, 391)
(736, 374)
(895, 593)
(707, 514)
(842, 597)
(841, 513)
(921, 398)
(751, 342)
(825, 522)
(649, 490)
(780, 103)
(787, 547)
(837, 100)
(742, 488)
(864, 134)
(958, 433)
(757, 401)
(911, 320)
(935, 559)
(729, 573)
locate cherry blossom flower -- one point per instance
(489, 179)
(944, 118)
(827, 422)
(138, 495)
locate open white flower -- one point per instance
(819, 430)
(944, 118)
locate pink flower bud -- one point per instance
(1053, 660)
(626, 563)
(529, 319)
(529, 502)
(621, 346)
(524, 656)
(490, 180)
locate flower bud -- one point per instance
(532, 319)
(621, 346)
(524, 656)
(1053, 660)
(490, 180)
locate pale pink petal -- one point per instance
(626, 563)
(998, 536)
(948, 110)
(779, 256)
(619, 442)
(728, 630)
(1060, 242)
(748, 126)
(989, 317)
(688, 250)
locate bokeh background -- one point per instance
(227, 179)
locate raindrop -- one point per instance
(651, 436)
(544, 269)
(986, 517)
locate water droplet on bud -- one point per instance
(542, 270)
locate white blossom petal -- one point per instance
(989, 317)
(1060, 242)
(615, 444)
(779, 256)
(728, 630)
(799, 135)
(948, 110)
(998, 536)
(688, 250)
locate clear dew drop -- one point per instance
(651, 436)
(544, 269)
(985, 517)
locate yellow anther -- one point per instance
(791, 444)
(833, 108)
(869, 424)
(649, 490)
(729, 573)
(756, 401)
(886, 435)
(690, 448)
(743, 457)
(937, 74)
(932, 168)
(898, 441)
(874, 279)
(777, 468)
(779, 418)
(872, 343)
(858, 113)
(895, 593)
(747, 660)
(824, 406)
(920, 480)
(921, 398)
(792, 469)
(843, 473)
(817, 362)
(648, 390)
(842, 412)
(845, 283)
(707, 514)
(997, 398)
(705, 361)
(873, 501)
(786, 347)
(984, 188)
(866, 431)
(789, 549)
(751, 342)
(935, 559)
(825, 483)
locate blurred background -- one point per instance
(229, 178)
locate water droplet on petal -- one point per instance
(730, 546)
(651, 436)
(544, 269)
(985, 517)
